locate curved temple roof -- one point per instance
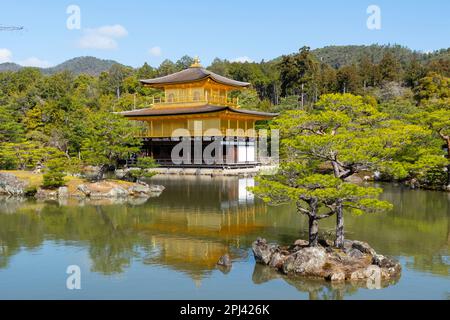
(193, 74)
(150, 112)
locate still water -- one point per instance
(167, 247)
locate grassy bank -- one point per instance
(34, 180)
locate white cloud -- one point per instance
(5, 55)
(115, 31)
(103, 38)
(35, 62)
(242, 59)
(155, 51)
(95, 41)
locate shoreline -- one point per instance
(24, 184)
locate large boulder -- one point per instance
(355, 253)
(354, 179)
(309, 261)
(263, 251)
(116, 192)
(277, 260)
(336, 276)
(120, 173)
(154, 188)
(372, 273)
(85, 191)
(46, 194)
(390, 267)
(10, 185)
(63, 192)
(363, 247)
(301, 243)
(139, 190)
(142, 189)
(52, 194)
(92, 172)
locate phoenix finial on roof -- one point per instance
(196, 63)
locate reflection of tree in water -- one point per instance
(18, 232)
(438, 264)
(316, 289)
(10, 205)
(111, 242)
(111, 250)
(418, 227)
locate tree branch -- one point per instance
(327, 215)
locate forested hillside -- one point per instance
(339, 56)
(87, 65)
(9, 66)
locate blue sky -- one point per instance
(137, 31)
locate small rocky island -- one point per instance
(12, 185)
(356, 261)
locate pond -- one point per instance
(167, 247)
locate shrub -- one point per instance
(146, 163)
(430, 171)
(54, 176)
(30, 191)
(142, 165)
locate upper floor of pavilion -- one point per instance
(195, 86)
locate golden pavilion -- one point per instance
(197, 105)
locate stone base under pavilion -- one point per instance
(235, 171)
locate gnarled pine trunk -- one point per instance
(313, 231)
(339, 243)
(313, 222)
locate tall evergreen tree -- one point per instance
(390, 69)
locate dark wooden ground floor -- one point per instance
(202, 152)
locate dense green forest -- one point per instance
(68, 113)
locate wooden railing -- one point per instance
(250, 133)
(201, 98)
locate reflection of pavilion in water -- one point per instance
(190, 233)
